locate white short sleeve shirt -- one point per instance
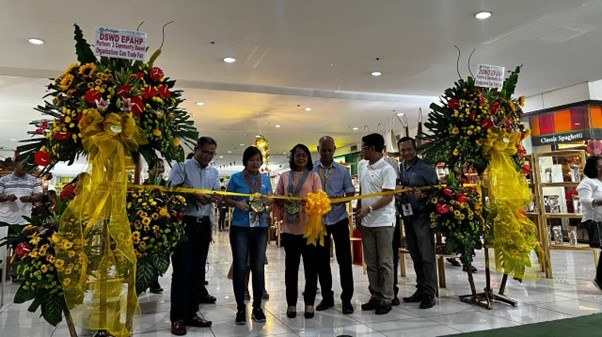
(373, 179)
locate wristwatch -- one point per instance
(370, 209)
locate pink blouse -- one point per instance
(312, 184)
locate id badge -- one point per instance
(407, 209)
(253, 219)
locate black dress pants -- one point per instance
(421, 244)
(340, 234)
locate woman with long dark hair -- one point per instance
(298, 182)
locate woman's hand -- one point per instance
(242, 204)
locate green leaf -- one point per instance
(37, 300)
(23, 295)
(161, 262)
(52, 309)
(145, 273)
(82, 48)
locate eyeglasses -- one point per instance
(207, 153)
(365, 147)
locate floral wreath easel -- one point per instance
(475, 129)
(112, 111)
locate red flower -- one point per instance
(495, 107)
(42, 158)
(487, 123)
(139, 75)
(79, 116)
(526, 169)
(462, 199)
(62, 135)
(164, 91)
(453, 104)
(442, 209)
(22, 250)
(473, 115)
(149, 92)
(124, 90)
(448, 191)
(92, 95)
(137, 105)
(156, 73)
(482, 99)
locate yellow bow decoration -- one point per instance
(316, 206)
(101, 295)
(514, 233)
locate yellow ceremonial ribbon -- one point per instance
(101, 295)
(514, 233)
(316, 206)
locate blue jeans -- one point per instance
(248, 244)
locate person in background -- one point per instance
(190, 257)
(590, 195)
(415, 172)
(298, 182)
(72, 189)
(222, 207)
(336, 181)
(249, 232)
(376, 217)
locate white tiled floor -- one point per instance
(571, 293)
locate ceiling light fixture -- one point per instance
(376, 73)
(277, 125)
(221, 157)
(308, 109)
(482, 15)
(355, 128)
(229, 151)
(241, 144)
(199, 103)
(399, 114)
(229, 59)
(36, 41)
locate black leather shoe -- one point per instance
(598, 284)
(198, 322)
(308, 314)
(291, 314)
(370, 305)
(208, 299)
(473, 268)
(241, 317)
(416, 297)
(382, 309)
(395, 301)
(178, 328)
(347, 308)
(325, 304)
(428, 301)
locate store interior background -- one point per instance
(294, 55)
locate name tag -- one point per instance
(406, 209)
(253, 219)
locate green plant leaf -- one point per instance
(82, 48)
(161, 262)
(145, 273)
(52, 309)
(23, 295)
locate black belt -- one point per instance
(198, 219)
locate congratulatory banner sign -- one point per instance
(119, 43)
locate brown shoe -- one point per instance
(198, 322)
(178, 328)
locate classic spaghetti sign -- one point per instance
(119, 43)
(489, 76)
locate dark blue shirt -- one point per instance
(417, 174)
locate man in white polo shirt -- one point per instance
(376, 216)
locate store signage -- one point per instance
(120, 43)
(489, 76)
(561, 138)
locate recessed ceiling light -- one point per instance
(482, 15)
(308, 109)
(199, 103)
(221, 157)
(229, 59)
(35, 41)
(376, 73)
(229, 151)
(355, 128)
(241, 144)
(576, 124)
(400, 114)
(284, 153)
(277, 125)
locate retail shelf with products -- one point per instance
(555, 176)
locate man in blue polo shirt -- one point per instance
(336, 181)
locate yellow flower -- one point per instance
(44, 268)
(521, 100)
(142, 244)
(155, 228)
(155, 216)
(136, 241)
(71, 67)
(455, 131)
(67, 245)
(67, 81)
(87, 69)
(136, 235)
(456, 152)
(71, 253)
(164, 212)
(159, 115)
(146, 221)
(157, 133)
(469, 132)
(68, 271)
(176, 141)
(66, 282)
(512, 106)
(35, 240)
(59, 263)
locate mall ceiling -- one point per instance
(291, 55)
